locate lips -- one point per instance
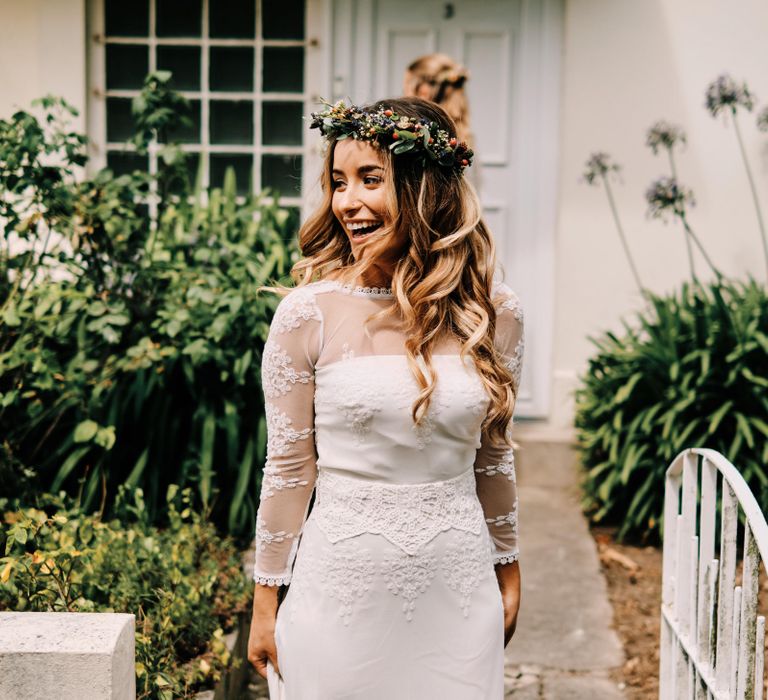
(361, 229)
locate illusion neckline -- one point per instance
(378, 292)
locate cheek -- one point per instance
(378, 202)
(335, 208)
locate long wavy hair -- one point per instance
(445, 79)
(443, 274)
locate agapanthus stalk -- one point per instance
(599, 166)
(665, 135)
(752, 188)
(666, 196)
(725, 94)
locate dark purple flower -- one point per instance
(598, 166)
(665, 196)
(726, 93)
(664, 135)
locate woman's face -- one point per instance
(359, 191)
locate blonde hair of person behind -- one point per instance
(442, 279)
(446, 80)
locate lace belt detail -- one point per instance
(408, 515)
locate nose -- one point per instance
(350, 199)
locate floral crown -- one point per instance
(400, 134)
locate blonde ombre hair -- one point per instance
(442, 276)
(445, 80)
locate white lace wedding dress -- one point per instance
(392, 588)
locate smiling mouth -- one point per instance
(361, 230)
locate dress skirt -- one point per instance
(366, 618)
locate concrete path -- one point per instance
(564, 645)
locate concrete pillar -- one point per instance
(67, 656)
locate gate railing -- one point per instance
(712, 638)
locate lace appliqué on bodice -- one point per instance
(356, 399)
(407, 515)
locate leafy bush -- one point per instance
(130, 348)
(692, 371)
(184, 584)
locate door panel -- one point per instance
(500, 42)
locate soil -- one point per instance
(633, 575)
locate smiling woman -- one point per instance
(390, 377)
(359, 195)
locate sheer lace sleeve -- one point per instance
(290, 470)
(495, 465)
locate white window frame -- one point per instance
(314, 72)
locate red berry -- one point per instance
(452, 142)
(388, 112)
(395, 135)
(431, 140)
(465, 162)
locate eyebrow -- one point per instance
(362, 170)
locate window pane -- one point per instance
(232, 19)
(282, 123)
(179, 17)
(126, 66)
(242, 164)
(186, 134)
(124, 163)
(283, 19)
(281, 174)
(231, 121)
(120, 124)
(126, 18)
(183, 62)
(283, 69)
(231, 68)
(192, 163)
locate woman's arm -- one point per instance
(290, 470)
(495, 470)
(508, 576)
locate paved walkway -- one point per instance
(564, 645)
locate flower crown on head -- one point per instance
(400, 134)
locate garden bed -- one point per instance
(635, 594)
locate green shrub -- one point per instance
(184, 583)
(691, 372)
(130, 349)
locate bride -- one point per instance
(390, 375)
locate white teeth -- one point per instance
(354, 226)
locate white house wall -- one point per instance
(627, 64)
(42, 51)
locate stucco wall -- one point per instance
(42, 50)
(625, 65)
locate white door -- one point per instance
(508, 46)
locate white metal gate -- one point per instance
(712, 638)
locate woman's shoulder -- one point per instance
(298, 307)
(505, 300)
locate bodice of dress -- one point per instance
(339, 396)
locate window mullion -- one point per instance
(257, 103)
(205, 96)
